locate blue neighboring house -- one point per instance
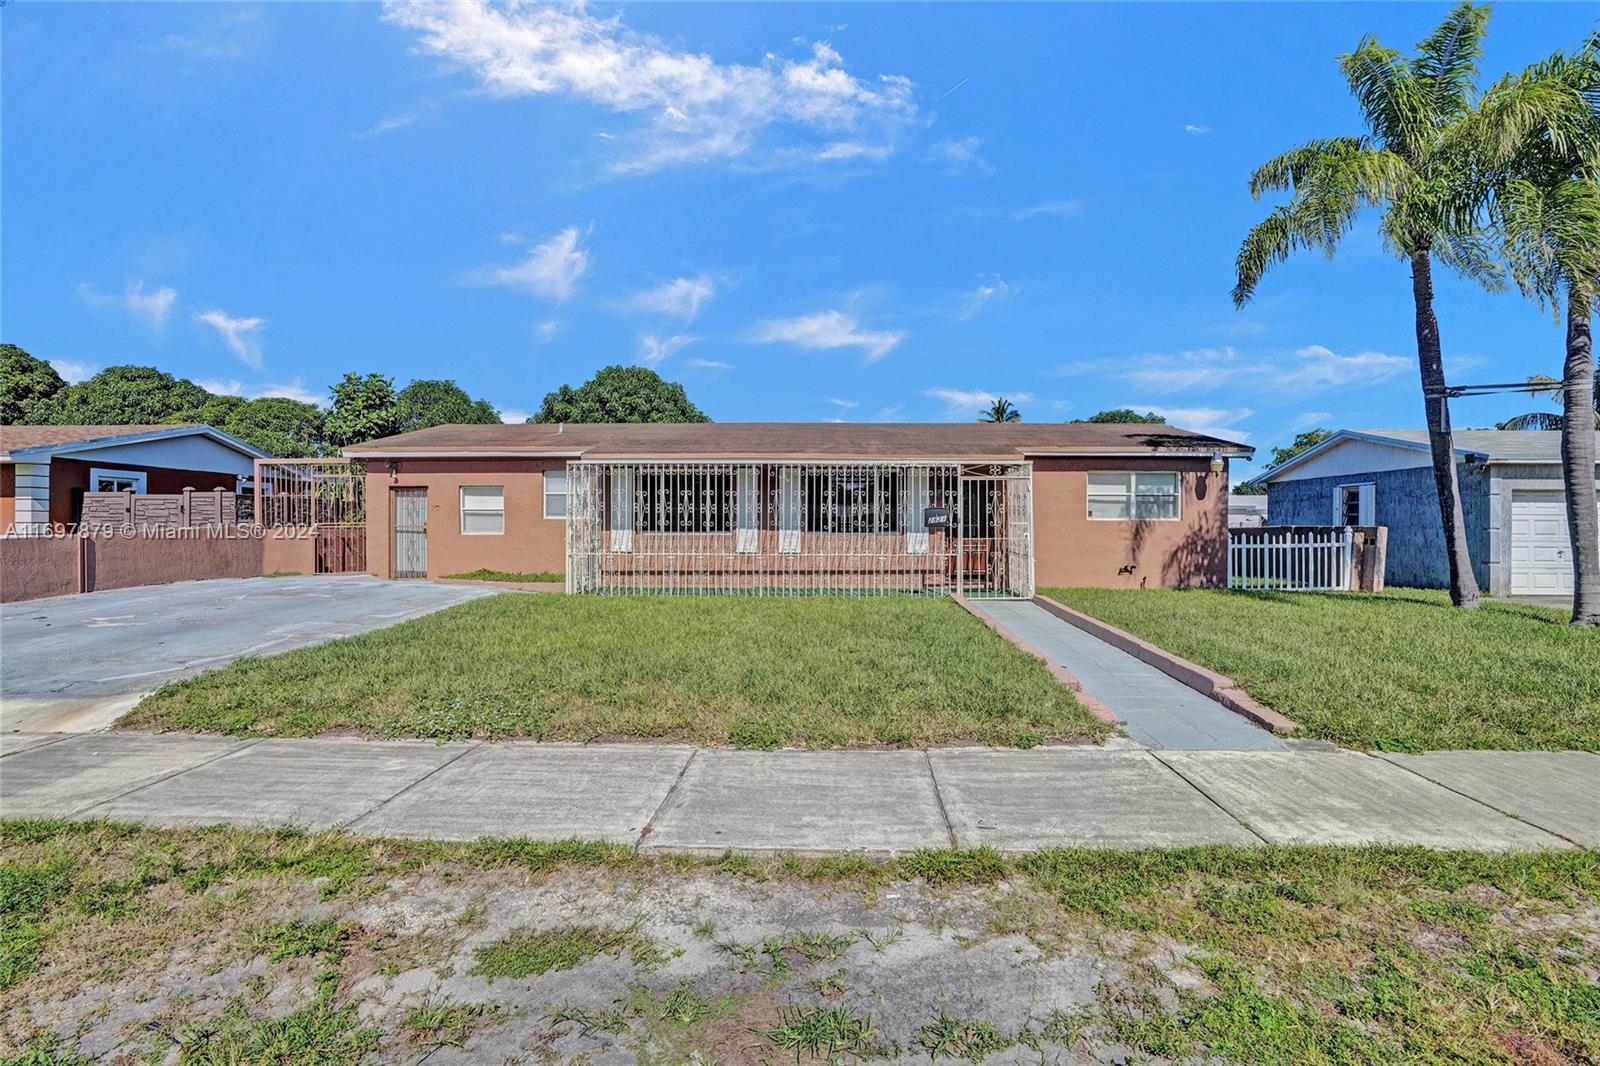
(1511, 497)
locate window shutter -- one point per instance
(622, 508)
(788, 510)
(747, 513)
(914, 519)
(1366, 505)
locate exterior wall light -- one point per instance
(1217, 462)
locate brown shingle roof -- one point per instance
(18, 438)
(819, 440)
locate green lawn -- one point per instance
(816, 672)
(1399, 670)
(1277, 955)
(481, 574)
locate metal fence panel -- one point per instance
(856, 528)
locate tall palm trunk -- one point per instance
(1577, 460)
(1430, 360)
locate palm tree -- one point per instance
(1542, 134)
(1001, 411)
(1416, 164)
(1549, 387)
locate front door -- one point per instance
(410, 532)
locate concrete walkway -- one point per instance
(1156, 710)
(713, 799)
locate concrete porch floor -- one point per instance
(671, 797)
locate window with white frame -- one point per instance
(104, 480)
(555, 494)
(1141, 495)
(483, 509)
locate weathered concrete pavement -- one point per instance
(680, 798)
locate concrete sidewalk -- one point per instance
(1155, 710)
(713, 799)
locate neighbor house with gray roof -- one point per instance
(1512, 499)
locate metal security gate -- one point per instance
(850, 528)
(996, 519)
(410, 532)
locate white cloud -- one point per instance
(72, 371)
(843, 404)
(384, 125)
(1195, 128)
(1322, 367)
(153, 307)
(854, 150)
(150, 307)
(1217, 421)
(975, 301)
(692, 107)
(968, 403)
(962, 154)
(1050, 208)
(1313, 367)
(829, 329)
(655, 350)
(708, 364)
(545, 330)
(294, 390)
(552, 268)
(513, 415)
(679, 298)
(221, 388)
(243, 335)
(1307, 419)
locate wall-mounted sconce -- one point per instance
(1218, 463)
(394, 470)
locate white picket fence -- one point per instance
(1290, 558)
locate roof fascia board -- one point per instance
(44, 451)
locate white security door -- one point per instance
(1541, 549)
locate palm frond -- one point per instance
(1394, 103)
(1533, 420)
(1447, 60)
(1289, 169)
(1472, 255)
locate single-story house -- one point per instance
(45, 470)
(1512, 500)
(792, 507)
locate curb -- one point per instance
(1217, 686)
(510, 586)
(1065, 677)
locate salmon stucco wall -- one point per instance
(69, 474)
(1070, 549)
(8, 496)
(531, 542)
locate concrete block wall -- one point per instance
(1406, 502)
(169, 510)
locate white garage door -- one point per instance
(1541, 550)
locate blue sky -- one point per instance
(801, 212)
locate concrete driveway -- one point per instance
(77, 663)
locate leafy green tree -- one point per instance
(279, 426)
(1001, 411)
(1303, 442)
(28, 388)
(129, 395)
(215, 411)
(620, 394)
(1123, 415)
(1418, 162)
(364, 408)
(1542, 130)
(426, 403)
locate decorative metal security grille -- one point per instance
(793, 528)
